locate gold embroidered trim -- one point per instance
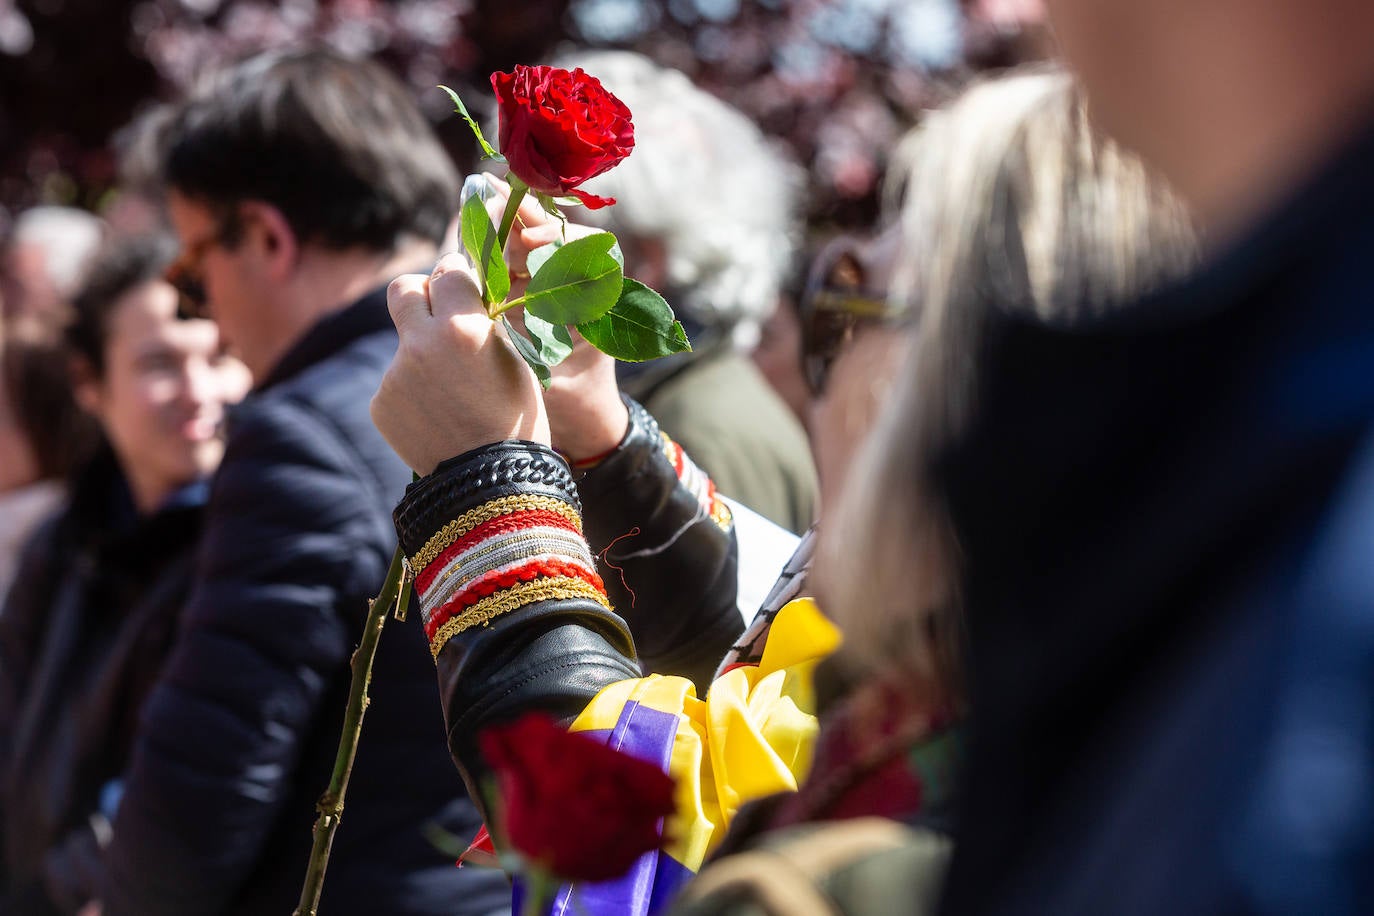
(720, 514)
(485, 513)
(529, 546)
(510, 599)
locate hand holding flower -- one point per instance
(455, 383)
(559, 128)
(586, 415)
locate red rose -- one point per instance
(560, 128)
(571, 805)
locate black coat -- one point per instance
(84, 634)
(1164, 511)
(238, 740)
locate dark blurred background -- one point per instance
(837, 80)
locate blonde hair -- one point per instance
(1013, 204)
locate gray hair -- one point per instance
(68, 238)
(704, 181)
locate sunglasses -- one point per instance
(837, 301)
(187, 273)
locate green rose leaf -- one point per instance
(529, 353)
(540, 256)
(487, 151)
(579, 282)
(553, 340)
(479, 239)
(639, 326)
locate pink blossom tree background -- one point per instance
(836, 80)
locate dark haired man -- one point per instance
(1170, 584)
(300, 184)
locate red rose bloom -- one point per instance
(559, 128)
(571, 805)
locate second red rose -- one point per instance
(579, 809)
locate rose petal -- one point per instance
(591, 201)
(481, 851)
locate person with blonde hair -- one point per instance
(1014, 205)
(1167, 511)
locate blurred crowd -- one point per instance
(1010, 553)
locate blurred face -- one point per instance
(29, 290)
(1119, 50)
(231, 282)
(161, 396)
(852, 351)
(846, 289)
(859, 382)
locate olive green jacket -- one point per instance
(719, 408)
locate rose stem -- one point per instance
(517, 194)
(331, 803)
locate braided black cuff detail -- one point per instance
(514, 467)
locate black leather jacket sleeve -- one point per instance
(551, 655)
(555, 653)
(665, 547)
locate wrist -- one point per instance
(492, 531)
(594, 436)
(458, 485)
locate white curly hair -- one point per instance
(68, 239)
(705, 182)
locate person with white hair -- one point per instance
(706, 216)
(46, 256)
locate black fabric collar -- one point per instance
(102, 519)
(331, 334)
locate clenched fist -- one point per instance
(455, 383)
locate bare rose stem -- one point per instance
(395, 591)
(517, 194)
(540, 890)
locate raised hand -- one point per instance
(455, 383)
(586, 414)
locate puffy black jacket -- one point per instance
(1165, 514)
(238, 739)
(84, 633)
